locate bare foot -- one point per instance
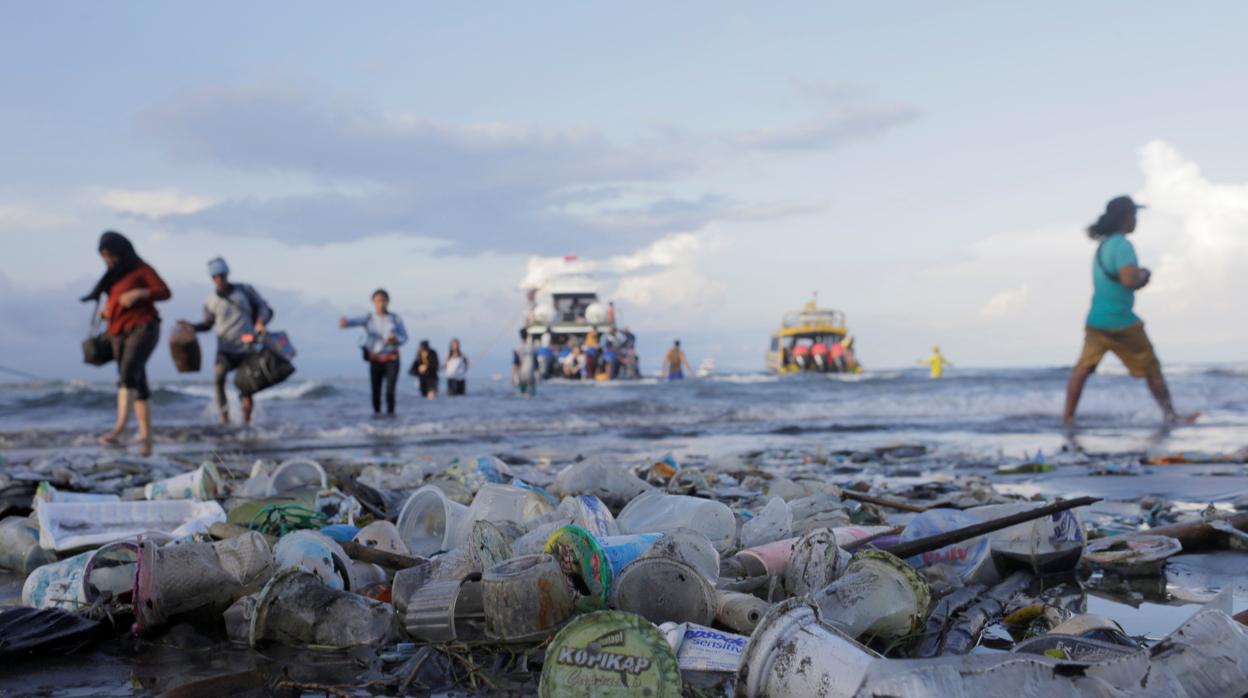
(112, 438)
(145, 447)
(225, 418)
(1183, 418)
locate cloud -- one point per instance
(153, 203)
(493, 186)
(19, 217)
(1006, 302)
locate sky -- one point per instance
(928, 168)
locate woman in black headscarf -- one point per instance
(133, 288)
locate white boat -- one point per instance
(565, 316)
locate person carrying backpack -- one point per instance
(238, 313)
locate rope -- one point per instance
(280, 519)
(20, 374)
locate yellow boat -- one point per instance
(814, 340)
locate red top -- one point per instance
(819, 348)
(120, 318)
(801, 349)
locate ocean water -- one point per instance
(976, 414)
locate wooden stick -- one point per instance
(957, 535)
(882, 501)
(354, 550)
(1194, 535)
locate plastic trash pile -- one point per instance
(651, 579)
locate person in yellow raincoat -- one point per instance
(937, 362)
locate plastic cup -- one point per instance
(77, 581)
(297, 608)
(501, 503)
(297, 474)
(589, 512)
(428, 521)
(816, 560)
(314, 552)
(690, 547)
(879, 596)
(668, 512)
(791, 653)
(174, 579)
(585, 564)
(202, 483)
(526, 598)
(621, 550)
(382, 535)
(662, 589)
(19, 546)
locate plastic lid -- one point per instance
(610, 653)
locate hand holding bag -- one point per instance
(97, 348)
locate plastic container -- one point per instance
(173, 579)
(815, 561)
(668, 512)
(19, 546)
(609, 654)
(689, 547)
(591, 514)
(77, 581)
(739, 612)
(613, 485)
(72, 525)
(878, 596)
(474, 472)
(202, 483)
(295, 608)
(314, 552)
(434, 611)
(526, 598)
(428, 521)
(661, 589)
(584, 562)
(382, 535)
(622, 550)
(699, 648)
(773, 558)
(1054, 543)
(295, 475)
(501, 503)
(971, 559)
(774, 522)
(46, 492)
(791, 653)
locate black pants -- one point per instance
(226, 362)
(389, 372)
(455, 386)
(132, 349)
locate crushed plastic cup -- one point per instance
(689, 547)
(1050, 544)
(499, 503)
(591, 514)
(202, 483)
(316, 553)
(382, 535)
(699, 648)
(668, 512)
(174, 579)
(296, 608)
(971, 559)
(816, 560)
(662, 589)
(792, 653)
(295, 475)
(774, 522)
(610, 654)
(76, 582)
(534, 541)
(46, 492)
(878, 596)
(526, 598)
(407, 581)
(584, 562)
(441, 611)
(429, 520)
(612, 484)
(474, 472)
(19, 545)
(622, 550)
(74, 525)
(772, 558)
(740, 612)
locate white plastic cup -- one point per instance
(19, 546)
(690, 547)
(202, 483)
(879, 595)
(589, 512)
(668, 512)
(74, 582)
(496, 503)
(382, 535)
(297, 474)
(429, 521)
(791, 653)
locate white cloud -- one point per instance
(15, 216)
(153, 203)
(1006, 302)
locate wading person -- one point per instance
(675, 363)
(456, 370)
(1112, 325)
(133, 289)
(383, 335)
(425, 370)
(237, 313)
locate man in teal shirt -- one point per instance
(1112, 325)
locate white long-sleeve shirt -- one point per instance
(378, 329)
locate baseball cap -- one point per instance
(218, 267)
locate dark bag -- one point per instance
(184, 347)
(97, 348)
(260, 370)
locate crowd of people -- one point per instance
(601, 356)
(822, 354)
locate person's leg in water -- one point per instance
(139, 349)
(219, 371)
(390, 371)
(248, 403)
(375, 373)
(125, 402)
(1074, 389)
(1161, 393)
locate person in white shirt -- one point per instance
(456, 370)
(383, 335)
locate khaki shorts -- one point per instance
(1129, 344)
